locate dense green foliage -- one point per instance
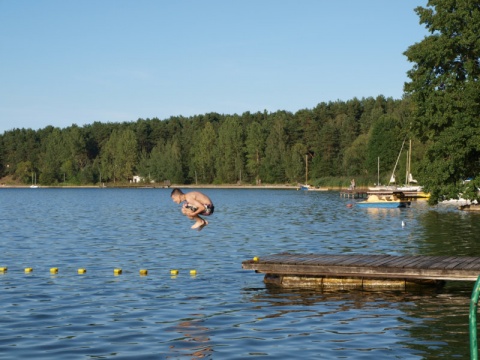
(445, 89)
(339, 139)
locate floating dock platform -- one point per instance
(354, 194)
(363, 271)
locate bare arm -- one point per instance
(197, 200)
(200, 207)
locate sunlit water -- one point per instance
(223, 312)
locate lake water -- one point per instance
(223, 312)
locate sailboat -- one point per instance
(306, 186)
(379, 187)
(410, 183)
(411, 187)
(409, 180)
(34, 184)
(392, 180)
(393, 195)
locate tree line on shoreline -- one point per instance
(326, 145)
(334, 140)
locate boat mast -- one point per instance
(378, 171)
(398, 158)
(409, 162)
(306, 169)
(406, 171)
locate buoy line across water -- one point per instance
(81, 271)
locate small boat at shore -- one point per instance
(385, 200)
(312, 188)
(305, 186)
(34, 182)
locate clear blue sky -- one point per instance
(75, 62)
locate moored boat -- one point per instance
(312, 188)
(410, 189)
(385, 200)
(34, 182)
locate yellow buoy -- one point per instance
(53, 270)
(3, 269)
(173, 272)
(117, 271)
(255, 258)
(193, 272)
(81, 271)
(28, 270)
(143, 272)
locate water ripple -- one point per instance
(223, 311)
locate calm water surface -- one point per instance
(223, 312)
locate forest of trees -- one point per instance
(445, 89)
(340, 140)
(439, 112)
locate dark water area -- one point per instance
(222, 312)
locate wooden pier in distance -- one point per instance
(354, 194)
(363, 271)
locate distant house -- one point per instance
(138, 179)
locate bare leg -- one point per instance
(199, 223)
(205, 223)
(188, 212)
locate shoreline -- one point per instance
(145, 186)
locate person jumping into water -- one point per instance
(195, 204)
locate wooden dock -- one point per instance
(354, 194)
(363, 271)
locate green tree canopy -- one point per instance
(229, 159)
(445, 89)
(256, 147)
(204, 156)
(385, 142)
(119, 156)
(254, 144)
(273, 168)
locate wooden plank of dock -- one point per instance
(411, 267)
(354, 194)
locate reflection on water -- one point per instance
(428, 323)
(453, 232)
(223, 311)
(193, 341)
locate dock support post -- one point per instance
(472, 319)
